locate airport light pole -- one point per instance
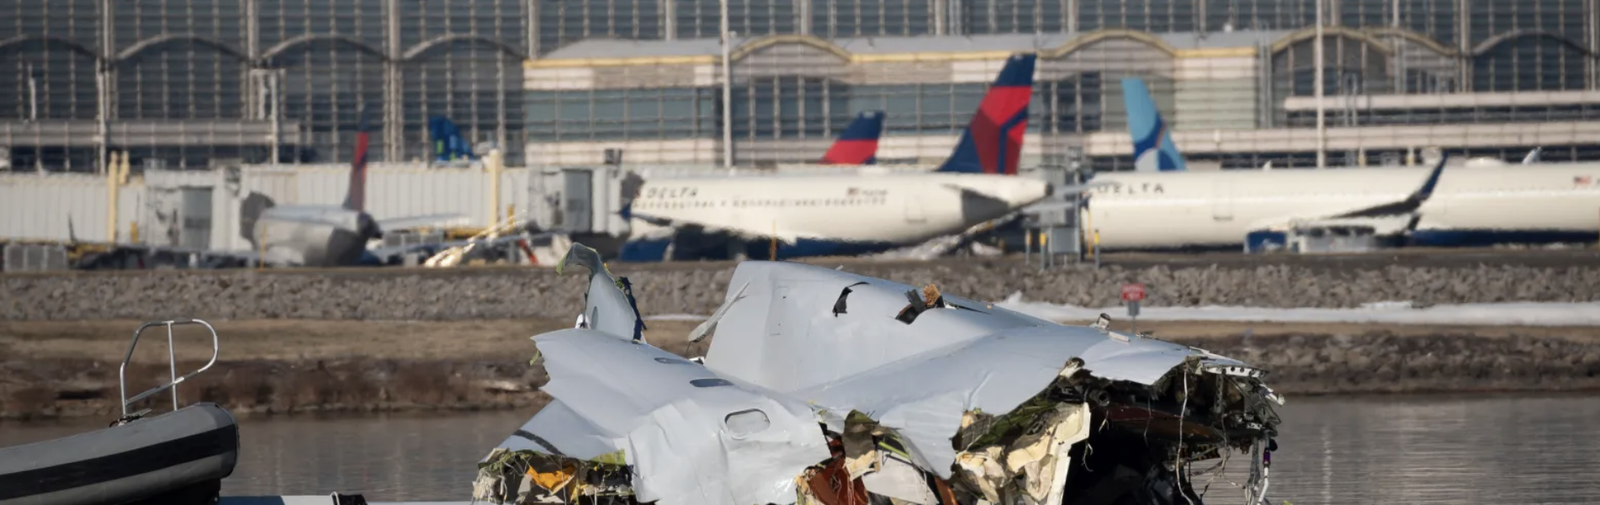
(727, 91)
(1322, 129)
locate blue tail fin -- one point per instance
(447, 142)
(992, 142)
(1153, 149)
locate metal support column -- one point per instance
(727, 90)
(1322, 127)
(105, 80)
(1593, 11)
(1464, 45)
(953, 16)
(273, 80)
(802, 8)
(940, 16)
(393, 125)
(669, 19)
(532, 25)
(252, 51)
(1070, 10)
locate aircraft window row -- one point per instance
(742, 203)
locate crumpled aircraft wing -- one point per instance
(691, 436)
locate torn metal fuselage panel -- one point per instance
(957, 357)
(822, 386)
(608, 304)
(689, 436)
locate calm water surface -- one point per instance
(1494, 449)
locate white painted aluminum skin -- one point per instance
(1210, 209)
(893, 208)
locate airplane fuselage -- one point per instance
(1471, 205)
(839, 214)
(312, 236)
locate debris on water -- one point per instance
(909, 395)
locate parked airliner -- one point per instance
(816, 215)
(326, 235)
(1475, 204)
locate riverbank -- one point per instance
(539, 293)
(69, 369)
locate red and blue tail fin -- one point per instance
(992, 142)
(356, 198)
(858, 144)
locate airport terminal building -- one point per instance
(557, 82)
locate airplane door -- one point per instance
(914, 213)
(194, 217)
(1222, 199)
(578, 194)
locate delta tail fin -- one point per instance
(356, 198)
(992, 142)
(1153, 149)
(858, 144)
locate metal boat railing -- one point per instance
(172, 363)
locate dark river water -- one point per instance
(1423, 449)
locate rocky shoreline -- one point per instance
(468, 294)
(493, 372)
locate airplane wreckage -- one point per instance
(825, 387)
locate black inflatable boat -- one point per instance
(179, 457)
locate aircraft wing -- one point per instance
(406, 222)
(1402, 209)
(1054, 204)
